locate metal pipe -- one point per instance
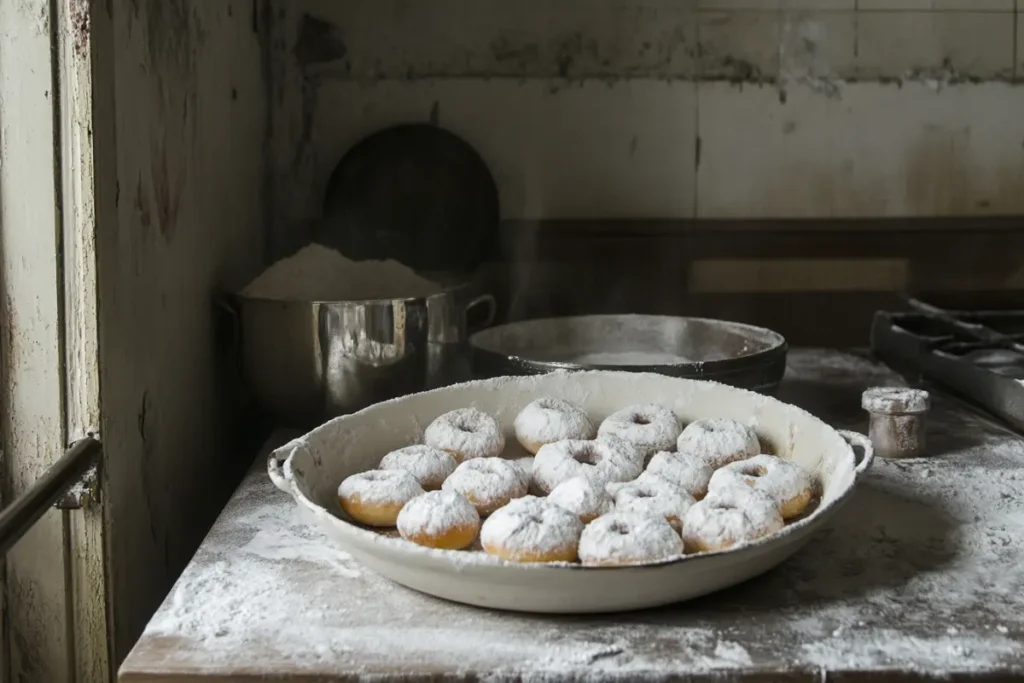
(18, 517)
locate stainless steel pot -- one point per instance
(306, 362)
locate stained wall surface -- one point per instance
(707, 108)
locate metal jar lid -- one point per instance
(895, 401)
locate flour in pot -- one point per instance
(318, 273)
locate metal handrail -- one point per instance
(18, 517)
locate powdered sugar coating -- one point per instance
(785, 482)
(466, 433)
(649, 494)
(719, 441)
(488, 483)
(685, 470)
(582, 497)
(380, 487)
(620, 538)
(603, 460)
(525, 467)
(531, 529)
(548, 420)
(649, 427)
(730, 517)
(428, 465)
(436, 513)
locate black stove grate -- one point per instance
(978, 354)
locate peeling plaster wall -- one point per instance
(724, 108)
(190, 125)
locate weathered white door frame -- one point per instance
(56, 587)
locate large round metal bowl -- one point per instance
(311, 467)
(698, 348)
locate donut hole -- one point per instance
(376, 475)
(641, 420)
(586, 455)
(463, 426)
(618, 528)
(643, 493)
(754, 471)
(721, 505)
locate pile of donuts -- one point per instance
(636, 489)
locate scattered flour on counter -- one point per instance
(319, 273)
(908, 558)
(732, 652)
(884, 648)
(282, 546)
(252, 599)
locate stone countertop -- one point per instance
(919, 576)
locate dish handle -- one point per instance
(858, 439)
(279, 467)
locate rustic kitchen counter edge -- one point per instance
(917, 578)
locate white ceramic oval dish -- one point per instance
(311, 467)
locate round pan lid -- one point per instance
(415, 193)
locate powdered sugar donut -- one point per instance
(532, 529)
(719, 441)
(548, 420)
(376, 497)
(730, 517)
(649, 427)
(649, 494)
(466, 433)
(439, 519)
(488, 483)
(785, 482)
(525, 467)
(684, 470)
(582, 497)
(620, 538)
(428, 465)
(602, 460)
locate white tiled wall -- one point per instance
(707, 108)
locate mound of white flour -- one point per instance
(318, 273)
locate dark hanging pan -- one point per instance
(731, 353)
(415, 193)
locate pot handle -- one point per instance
(492, 309)
(858, 439)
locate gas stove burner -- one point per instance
(979, 354)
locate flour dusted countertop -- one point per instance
(920, 575)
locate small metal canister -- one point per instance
(898, 420)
